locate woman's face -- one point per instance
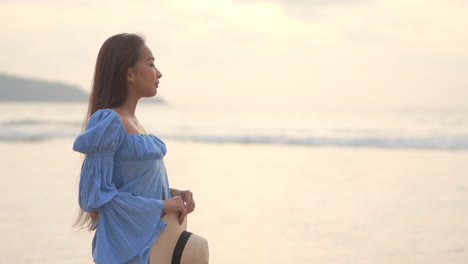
(144, 76)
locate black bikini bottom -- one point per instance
(179, 248)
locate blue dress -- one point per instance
(124, 177)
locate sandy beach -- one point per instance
(259, 203)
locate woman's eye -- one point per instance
(152, 65)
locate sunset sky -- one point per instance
(318, 52)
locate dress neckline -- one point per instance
(121, 123)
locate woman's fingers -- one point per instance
(190, 206)
(181, 218)
(189, 202)
(175, 204)
(182, 204)
(182, 211)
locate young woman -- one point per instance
(124, 192)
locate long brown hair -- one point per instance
(117, 54)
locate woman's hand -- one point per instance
(187, 197)
(176, 205)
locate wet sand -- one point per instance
(259, 203)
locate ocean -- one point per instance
(397, 128)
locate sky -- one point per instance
(279, 52)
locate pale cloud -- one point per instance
(304, 2)
(306, 9)
(369, 52)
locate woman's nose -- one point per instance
(159, 74)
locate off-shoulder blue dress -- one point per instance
(124, 177)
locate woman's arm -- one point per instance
(175, 192)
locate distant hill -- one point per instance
(13, 88)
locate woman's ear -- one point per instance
(130, 75)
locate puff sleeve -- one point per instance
(127, 224)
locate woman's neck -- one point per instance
(128, 108)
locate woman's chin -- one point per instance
(155, 92)
(149, 95)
